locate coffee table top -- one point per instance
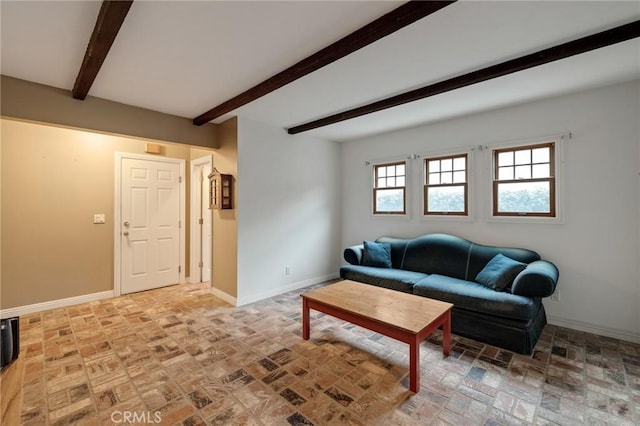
(406, 311)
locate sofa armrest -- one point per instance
(539, 279)
(353, 254)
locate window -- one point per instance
(445, 185)
(524, 181)
(389, 188)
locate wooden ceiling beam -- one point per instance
(565, 50)
(110, 19)
(389, 23)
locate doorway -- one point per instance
(201, 231)
(149, 213)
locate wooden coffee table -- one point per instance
(401, 316)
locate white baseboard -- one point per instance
(595, 329)
(55, 304)
(284, 289)
(224, 296)
(270, 293)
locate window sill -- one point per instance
(401, 217)
(447, 218)
(526, 219)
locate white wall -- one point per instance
(288, 210)
(596, 248)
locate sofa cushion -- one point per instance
(382, 277)
(499, 272)
(475, 297)
(376, 254)
(480, 255)
(398, 248)
(437, 254)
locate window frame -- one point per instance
(375, 188)
(553, 145)
(426, 185)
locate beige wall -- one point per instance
(55, 175)
(25, 100)
(199, 153)
(53, 180)
(225, 222)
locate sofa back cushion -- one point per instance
(449, 255)
(437, 254)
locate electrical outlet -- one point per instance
(99, 218)
(287, 270)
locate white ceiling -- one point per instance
(185, 57)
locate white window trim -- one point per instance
(371, 164)
(559, 140)
(471, 185)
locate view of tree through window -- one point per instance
(524, 181)
(389, 188)
(445, 188)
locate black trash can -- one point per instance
(9, 341)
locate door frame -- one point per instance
(194, 246)
(117, 214)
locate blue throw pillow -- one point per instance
(376, 254)
(499, 272)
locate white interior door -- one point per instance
(206, 226)
(201, 226)
(150, 224)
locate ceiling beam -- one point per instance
(565, 50)
(389, 23)
(110, 19)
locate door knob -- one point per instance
(126, 224)
(125, 233)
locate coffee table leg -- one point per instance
(446, 335)
(305, 319)
(414, 365)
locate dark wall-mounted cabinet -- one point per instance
(220, 191)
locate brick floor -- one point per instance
(179, 355)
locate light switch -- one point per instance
(98, 218)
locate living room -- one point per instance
(300, 200)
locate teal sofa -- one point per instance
(497, 292)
